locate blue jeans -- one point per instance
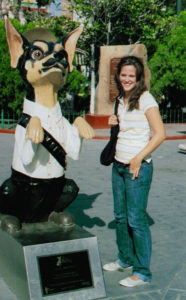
(132, 229)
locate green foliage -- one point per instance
(11, 84)
(58, 25)
(168, 65)
(77, 85)
(120, 22)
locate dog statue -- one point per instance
(37, 189)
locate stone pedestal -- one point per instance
(98, 121)
(45, 261)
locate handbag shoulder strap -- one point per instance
(116, 106)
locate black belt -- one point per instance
(49, 142)
(23, 178)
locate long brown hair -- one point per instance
(140, 86)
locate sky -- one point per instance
(55, 8)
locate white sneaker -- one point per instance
(128, 282)
(182, 147)
(114, 266)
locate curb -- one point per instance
(172, 138)
(181, 137)
(9, 131)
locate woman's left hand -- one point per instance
(135, 164)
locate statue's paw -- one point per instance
(85, 130)
(10, 224)
(62, 218)
(35, 131)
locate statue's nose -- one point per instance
(49, 62)
(62, 58)
(57, 59)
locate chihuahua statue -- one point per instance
(37, 189)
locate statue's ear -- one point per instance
(70, 44)
(15, 43)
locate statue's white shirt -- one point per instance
(33, 159)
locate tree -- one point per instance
(11, 84)
(60, 26)
(121, 22)
(77, 87)
(168, 66)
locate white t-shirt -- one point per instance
(134, 133)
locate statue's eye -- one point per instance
(37, 54)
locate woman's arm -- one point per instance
(159, 134)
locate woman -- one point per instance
(132, 170)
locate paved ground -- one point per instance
(173, 131)
(94, 212)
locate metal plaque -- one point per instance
(65, 272)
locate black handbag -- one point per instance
(107, 155)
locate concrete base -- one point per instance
(97, 121)
(46, 261)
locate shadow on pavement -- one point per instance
(82, 202)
